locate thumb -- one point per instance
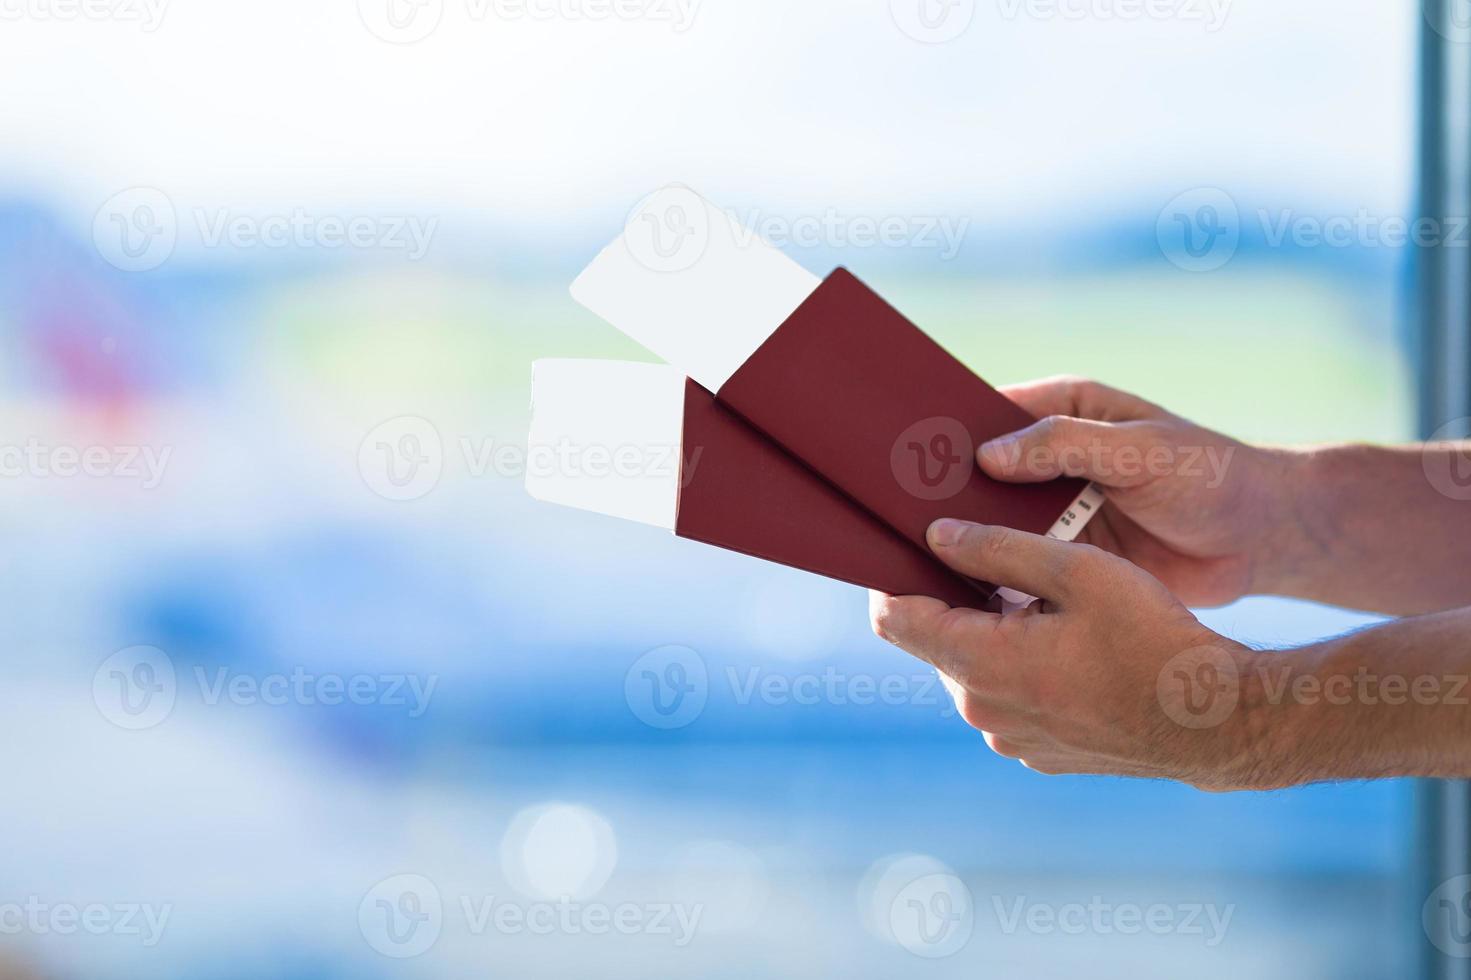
(1109, 453)
(1034, 564)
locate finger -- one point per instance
(1080, 397)
(1051, 570)
(1004, 746)
(1112, 454)
(1071, 764)
(984, 710)
(954, 641)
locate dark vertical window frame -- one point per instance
(1442, 332)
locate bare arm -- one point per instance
(1394, 700)
(1375, 528)
(1110, 674)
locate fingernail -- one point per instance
(947, 532)
(999, 452)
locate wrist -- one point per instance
(1325, 711)
(1278, 726)
(1294, 536)
(1244, 749)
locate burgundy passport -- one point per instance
(868, 400)
(840, 430)
(739, 491)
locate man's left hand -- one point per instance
(1107, 673)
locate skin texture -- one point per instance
(1110, 673)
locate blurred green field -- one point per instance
(1262, 354)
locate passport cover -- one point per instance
(741, 492)
(888, 416)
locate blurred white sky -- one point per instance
(771, 102)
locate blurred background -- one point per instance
(299, 682)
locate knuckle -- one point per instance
(1002, 746)
(883, 618)
(1045, 767)
(974, 713)
(1042, 695)
(995, 543)
(1150, 434)
(1075, 384)
(1011, 632)
(1076, 562)
(1052, 430)
(1069, 563)
(961, 628)
(1087, 392)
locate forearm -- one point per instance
(1366, 527)
(1394, 700)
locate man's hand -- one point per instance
(1196, 509)
(1108, 673)
(1376, 528)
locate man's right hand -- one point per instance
(1199, 511)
